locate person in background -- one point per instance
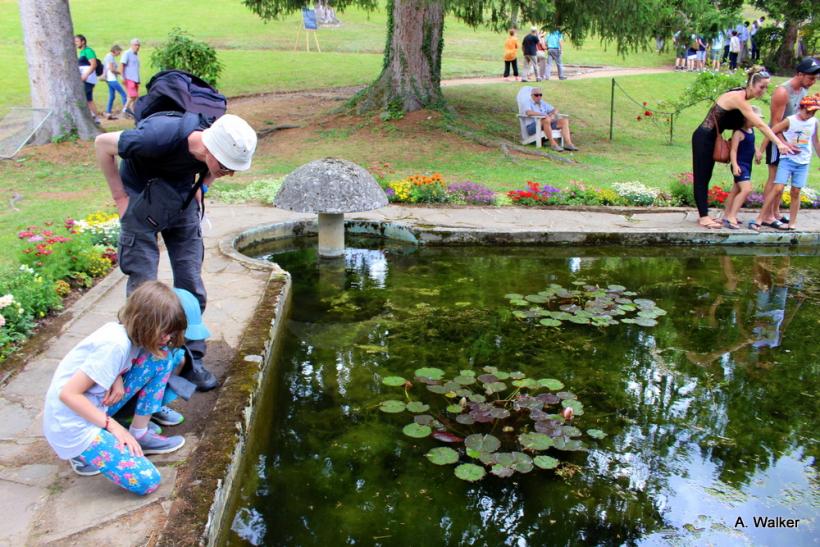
(511, 56)
(755, 54)
(555, 51)
(727, 37)
(743, 36)
(701, 60)
(680, 50)
(87, 61)
(111, 71)
(785, 102)
(542, 54)
(717, 50)
(734, 51)
(103, 372)
(131, 75)
(551, 120)
(530, 46)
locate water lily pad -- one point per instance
(487, 378)
(470, 472)
(548, 398)
(513, 296)
(463, 392)
(566, 395)
(628, 320)
(522, 463)
(416, 407)
(616, 288)
(454, 409)
(465, 419)
(495, 387)
(596, 433)
(477, 398)
(436, 388)
(562, 443)
(502, 471)
(499, 413)
(545, 462)
(550, 323)
(430, 372)
(644, 303)
(467, 372)
(482, 443)
(446, 437)
(578, 283)
(561, 315)
(464, 380)
(520, 314)
(516, 375)
(535, 441)
(570, 431)
(392, 406)
(519, 302)
(536, 298)
(501, 375)
(393, 381)
(576, 406)
(551, 383)
(423, 419)
(579, 319)
(527, 383)
(416, 431)
(644, 322)
(442, 455)
(648, 314)
(504, 458)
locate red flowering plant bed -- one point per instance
(717, 196)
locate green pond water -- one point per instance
(711, 415)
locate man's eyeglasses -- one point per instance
(537, 94)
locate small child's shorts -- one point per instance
(790, 169)
(745, 173)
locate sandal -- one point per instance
(754, 226)
(784, 219)
(731, 225)
(775, 224)
(711, 225)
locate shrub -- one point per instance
(681, 193)
(103, 228)
(578, 194)
(717, 196)
(418, 189)
(25, 296)
(636, 193)
(184, 53)
(535, 194)
(471, 193)
(260, 190)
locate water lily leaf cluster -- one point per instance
(493, 422)
(585, 305)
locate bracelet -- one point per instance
(107, 421)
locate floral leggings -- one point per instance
(146, 379)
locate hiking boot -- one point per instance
(83, 469)
(152, 443)
(196, 373)
(168, 416)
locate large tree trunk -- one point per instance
(53, 73)
(785, 55)
(411, 77)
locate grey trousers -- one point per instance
(139, 256)
(554, 55)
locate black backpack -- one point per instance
(178, 91)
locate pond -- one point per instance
(709, 416)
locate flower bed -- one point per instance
(52, 261)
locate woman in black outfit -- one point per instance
(730, 112)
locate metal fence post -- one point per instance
(612, 110)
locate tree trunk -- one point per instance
(53, 72)
(411, 77)
(785, 55)
(514, 16)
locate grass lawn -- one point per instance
(259, 56)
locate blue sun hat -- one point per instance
(196, 328)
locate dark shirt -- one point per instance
(530, 44)
(158, 148)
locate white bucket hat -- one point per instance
(232, 142)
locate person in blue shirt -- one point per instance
(555, 49)
(550, 120)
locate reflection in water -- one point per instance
(711, 415)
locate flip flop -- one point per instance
(711, 226)
(784, 219)
(730, 225)
(754, 226)
(776, 224)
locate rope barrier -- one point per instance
(641, 104)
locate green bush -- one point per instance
(261, 191)
(25, 297)
(429, 193)
(184, 53)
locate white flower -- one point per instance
(26, 269)
(6, 300)
(2, 321)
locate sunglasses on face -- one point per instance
(537, 94)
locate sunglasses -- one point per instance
(222, 167)
(537, 94)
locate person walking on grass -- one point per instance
(742, 153)
(111, 71)
(130, 61)
(530, 47)
(785, 102)
(800, 130)
(511, 56)
(717, 50)
(102, 373)
(730, 111)
(87, 60)
(164, 155)
(555, 51)
(734, 51)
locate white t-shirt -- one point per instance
(103, 355)
(131, 63)
(109, 60)
(734, 44)
(800, 133)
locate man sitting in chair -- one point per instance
(552, 120)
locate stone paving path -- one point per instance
(43, 502)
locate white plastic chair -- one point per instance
(523, 99)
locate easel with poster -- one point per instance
(310, 26)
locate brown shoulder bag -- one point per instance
(721, 151)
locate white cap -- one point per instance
(533, 28)
(232, 142)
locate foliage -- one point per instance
(488, 423)
(25, 297)
(183, 52)
(578, 193)
(585, 305)
(73, 256)
(808, 198)
(418, 189)
(636, 193)
(681, 192)
(103, 228)
(707, 87)
(471, 193)
(259, 190)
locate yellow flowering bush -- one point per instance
(418, 189)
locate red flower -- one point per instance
(25, 234)
(647, 113)
(48, 233)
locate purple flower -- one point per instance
(755, 199)
(389, 192)
(471, 193)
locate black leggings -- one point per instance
(703, 148)
(513, 64)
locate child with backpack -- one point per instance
(117, 362)
(741, 154)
